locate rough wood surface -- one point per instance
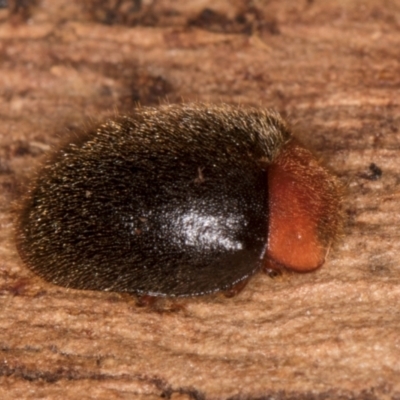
(333, 68)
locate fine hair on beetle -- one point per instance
(178, 200)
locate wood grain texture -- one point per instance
(332, 68)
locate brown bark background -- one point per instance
(333, 68)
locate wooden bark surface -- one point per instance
(333, 68)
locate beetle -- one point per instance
(178, 200)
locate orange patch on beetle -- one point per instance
(304, 203)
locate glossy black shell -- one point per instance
(170, 201)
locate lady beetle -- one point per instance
(180, 200)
